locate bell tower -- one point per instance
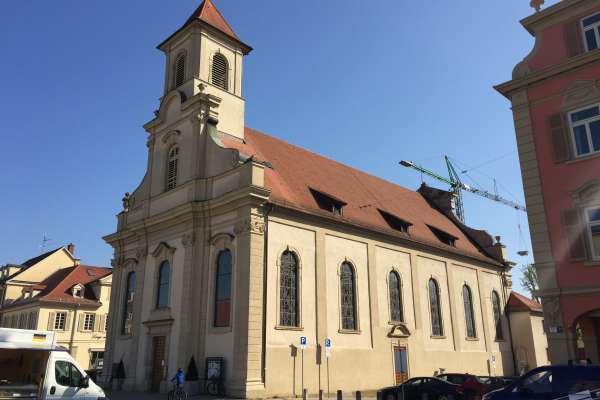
(206, 56)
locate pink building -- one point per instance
(555, 100)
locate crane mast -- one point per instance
(457, 186)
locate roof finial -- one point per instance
(536, 4)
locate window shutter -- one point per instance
(80, 322)
(51, 318)
(559, 138)
(67, 321)
(573, 40)
(575, 231)
(97, 321)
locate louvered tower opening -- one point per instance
(172, 168)
(180, 70)
(220, 71)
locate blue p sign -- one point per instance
(302, 342)
(327, 343)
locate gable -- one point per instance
(44, 268)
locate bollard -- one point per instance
(304, 392)
(320, 394)
(358, 395)
(339, 395)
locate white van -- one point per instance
(32, 366)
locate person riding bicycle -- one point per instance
(179, 378)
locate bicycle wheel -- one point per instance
(170, 395)
(212, 388)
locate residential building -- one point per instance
(529, 338)
(556, 108)
(54, 292)
(236, 245)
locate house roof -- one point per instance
(518, 302)
(32, 261)
(57, 287)
(295, 171)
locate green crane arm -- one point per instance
(425, 171)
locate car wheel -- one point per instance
(444, 397)
(390, 396)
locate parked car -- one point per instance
(423, 388)
(496, 382)
(549, 382)
(471, 386)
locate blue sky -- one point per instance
(366, 83)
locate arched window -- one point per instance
(497, 315)
(348, 290)
(437, 328)
(223, 289)
(172, 161)
(469, 314)
(396, 312)
(220, 71)
(127, 323)
(288, 290)
(179, 70)
(164, 281)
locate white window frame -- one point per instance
(88, 322)
(585, 122)
(58, 321)
(589, 224)
(595, 26)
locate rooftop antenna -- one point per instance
(45, 241)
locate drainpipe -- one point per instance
(512, 343)
(267, 210)
(73, 325)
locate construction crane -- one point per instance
(457, 187)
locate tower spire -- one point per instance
(208, 13)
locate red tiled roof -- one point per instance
(57, 287)
(80, 274)
(295, 170)
(518, 302)
(207, 12)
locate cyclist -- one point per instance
(179, 378)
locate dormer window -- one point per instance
(179, 70)
(172, 164)
(591, 31)
(444, 237)
(78, 291)
(395, 222)
(220, 71)
(327, 202)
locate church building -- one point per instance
(236, 246)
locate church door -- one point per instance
(158, 361)
(400, 364)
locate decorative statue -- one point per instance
(126, 202)
(537, 4)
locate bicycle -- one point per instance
(177, 394)
(213, 387)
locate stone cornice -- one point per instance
(534, 19)
(509, 87)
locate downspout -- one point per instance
(512, 343)
(73, 325)
(267, 210)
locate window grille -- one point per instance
(288, 290)
(437, 328)
(396, 312)
(469, 314)
(497, 315)
(127, 322)
(348, 292)
(220, 71)
(223, 289)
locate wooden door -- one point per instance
(400, 364)
(158, 361)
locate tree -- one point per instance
(529, 281)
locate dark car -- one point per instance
(496, 382)
(549, 382)
(473, 388)
(424, 388)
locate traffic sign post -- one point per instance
(327, 355)
(303, 342)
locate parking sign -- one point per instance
(327, 347)
(302, 342)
